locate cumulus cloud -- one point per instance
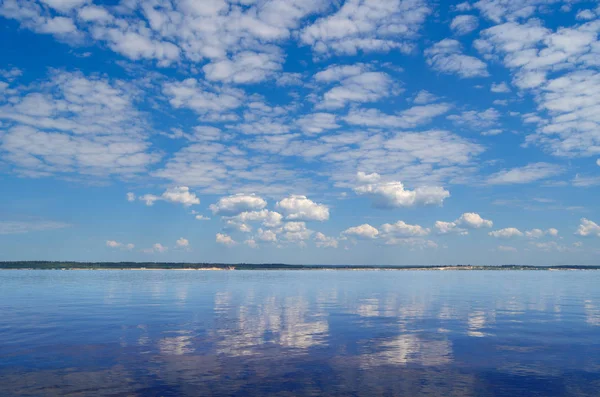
(368, 26)
(394, 194)
(267, 218)
(323, 241)
(156, 248)
(130, 197)
(182, 243)
(468, 220)
(301, 208)
(364, 231)
(238, 203)
(508, 232)
(403, 229)
(364, 87)
(500, 88)
(539, 233)
(463, 24)
(224, 239)
(446, 57)
(527, 174)
(177, 194)
(588, 228)
(268, 236)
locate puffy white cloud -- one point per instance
(409, 118)
(585, 15)
(323, 241)
(424, 97)
(364, 231)
(473, 221)
(394, 194)
(182, 243)
(297, 207)
(177, 194)
(224, 239)
(506, 233)
(403, 229)
(296, 232)
(468, 220)
(364, 87)
(251, 243)
(446, 57)
(527, 174)
(449, 227)
(463, 24)
(588, 228)
(500, 88)
(73, 124)
(238, 203)
(245, 67)
(539, 233)
(130, 197)
(116, 244)
(268, 236)
(367, 25)
(317, 123)
(112, 244)
(202, 217)
(156, 248)
(268, 218)
(476, 119)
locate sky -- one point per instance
(300, 131)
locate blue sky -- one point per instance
(300, 131)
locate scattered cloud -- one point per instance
(224, 239)
(588, 228)
(365, 231)
(446, 57)
(297, 207)
(527, 174)
(508, 232)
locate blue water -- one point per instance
(297, 333)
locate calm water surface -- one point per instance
(297, 333)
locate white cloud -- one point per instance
(130, 197)
(297, 207)
(500, 88)
(473, 220)
(409, 118)
(177, 194)
(368, 26)
(202, 218)
(477, 119)
(268, 218)
(268, 236)
(116, 244)
(224, 239)
(449, 227)
(182, 243)
(508, 232)
(251, 243)
(468, 220)
(156, 248)
(446, 57)
(245, 68)
(506, 248)
(364, 87)
(539, 233)
(323, 241)
(424, 97)
(403, 229)
(317, 123)
(530, 173)
(365, 231)
(394, 194)
(588, 228)
(19, 227)
(296, 232)
(238, 203)
(463, 24)
(585, 15)
(73, 124)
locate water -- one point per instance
(296, 333)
